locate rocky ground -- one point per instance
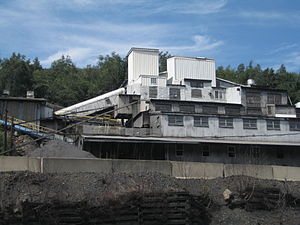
(266, 202)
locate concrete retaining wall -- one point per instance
(197, 170)
(258, 171)
(171, 168)
(12, 163)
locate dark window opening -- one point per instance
(152, 92)
(175, 93)
(196, 84)
(280, 155)
(187, 108)
(196, 93)
(205, 150)
(163, 107)
(231, 151)
(255, 152)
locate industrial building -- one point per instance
(188, 114)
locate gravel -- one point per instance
(98, 189)
(56, 148)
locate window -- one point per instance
(163, 107)
(152, 92)
(231, 151)
(273, 124)
(219, 94)
(294, 125)
(179, 150)
(226, 122)
(196, 93)
(187, 108)
(279, 154)
(254, 111)
(274, 99)
(175, 93)
(253, 99)
(108, 102)
(196, 84)
(250, 123)
(232, 111)
(201, 121)
(175, 120)
(210, 109)
(205, 150)
(153, 81)
(255, 151)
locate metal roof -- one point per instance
(103, 138)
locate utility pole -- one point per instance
(12, 133)
(5, 131)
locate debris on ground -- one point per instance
(87, 198)
(23, 149)
(57, 148)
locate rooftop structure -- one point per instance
(188, 114)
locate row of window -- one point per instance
(254, 99)
(225, 122)
(191, 109)
(255, 152)
(175, 93)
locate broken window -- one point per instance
(196, 93)
(175, 93)
(152, 92)
(201, 121)
(175, 120)
(273, 124)
(226, 122)
(294, 125)
(250, 123)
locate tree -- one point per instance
(163, 56)
(16, 75)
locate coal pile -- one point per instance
(57, 148)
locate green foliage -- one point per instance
(65, 84)
(281, 79)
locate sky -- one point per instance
(266, 32)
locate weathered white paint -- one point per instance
(233, 95)
(92, 105)
(180, 68)
(142, 62)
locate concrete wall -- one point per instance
(170, 168)
(11, 163)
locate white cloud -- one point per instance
(293, 17)
(191, 7)
(202, 43)
(283, 47)
(76, 54)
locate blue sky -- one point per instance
(230, 31)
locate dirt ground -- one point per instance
(99, 189)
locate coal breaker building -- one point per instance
(188, 114)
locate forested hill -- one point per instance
(65, 84)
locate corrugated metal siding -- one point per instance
(171, 67)
(142, 63)
(192, 68)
